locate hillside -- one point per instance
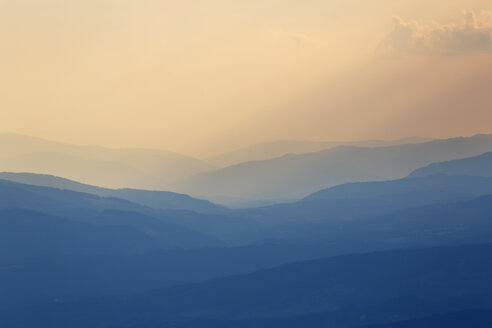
(151, 198)
(296, 176)
(268, 150)
(343, 286)
(93, 209)
(477, 166)
(114, 168)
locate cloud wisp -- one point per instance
(472, 33)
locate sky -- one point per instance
(204, 77)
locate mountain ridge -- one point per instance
(152, 198)
(273, 149)
(296, 176)
(333, 284)
(477, 165)
(108, 167)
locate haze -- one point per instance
(204, 77)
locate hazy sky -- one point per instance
(200, 77)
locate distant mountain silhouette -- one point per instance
(268, 150)
(94, 209)
(296, 176)
(412, 190)
(302, 238)
(388, 254)
(84, 206)
(114, 168)
(366, 199)
(156, 199)
(477, 166)
(354, 289)
(394, 224)
(318, 217)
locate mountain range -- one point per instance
(296, 176)
(477, 166)
(273, 238)
(348, 291)
(151, 198)
(269, 150)
(113, 168)
(186, 228)
(149, 169)
(407, 252)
